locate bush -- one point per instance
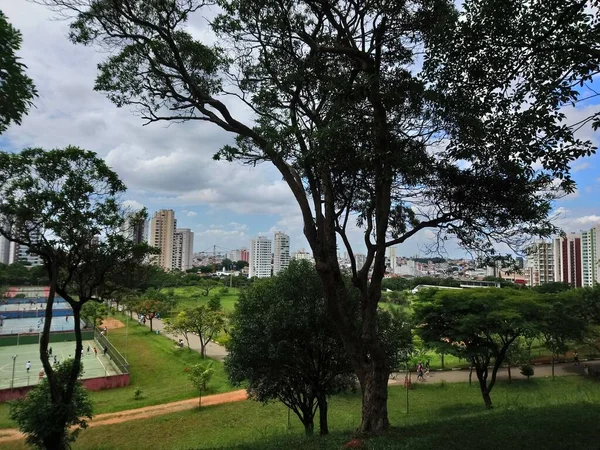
(137, 394)
(224, 290)
(527, 370)
(214, 303)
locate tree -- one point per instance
(206, 324)
(560, 323)
(208, 284)
(227, 264)
(239, 265)
(354, 131)
(16, 90)
(477, 324)
(284, 346)
(151, 303)
(56, 203)
(93, 313)
(179, 325)
(214, 303)
(43, 421)
(200, 375)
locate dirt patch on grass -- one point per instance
(11, 434)
(111, 323)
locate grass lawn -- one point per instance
(188, 296)
(157, 368)
(528, 415)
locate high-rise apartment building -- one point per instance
(393, 259)
(590, 256)
(135, 229)
(183, 249)
(360, 259)
(260, 258)
(540, 263)
(281, 252)
(245, 255)
(162, 231)
(4, 250)
(235, 255)
(567, 259)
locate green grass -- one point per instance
(189, 296)
(528, 414)
(157, 368)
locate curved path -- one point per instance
(12, 434)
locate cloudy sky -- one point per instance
(170, 167)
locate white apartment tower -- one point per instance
(281, 252)
(393, 259)
(260, 258)
(183, 249)
(4, 250)
(162, 231)
(590, 256)
(539, 266)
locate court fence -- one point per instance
(116, 357)
(34, 338)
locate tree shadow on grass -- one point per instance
(549, 428)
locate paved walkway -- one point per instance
(12, 434)
(213, 350)
(458, 376)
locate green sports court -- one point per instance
(93, 366)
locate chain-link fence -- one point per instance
(117, 359)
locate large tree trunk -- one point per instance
(509, 374)
(483, 385)
(323, 426)
(553, 365)
(374, 386)
(150, 319)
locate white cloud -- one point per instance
(588, 220)
(191, 214)
(578, 167)
(132, 205)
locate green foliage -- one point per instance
(477, 324)
(51, 424)
(19, 274)
(552, 288)
(93, 313)
(214, 303)
(239, 265)
(527, 370)
(283, 344)
(206, 323)
(16, 90)
(207, 285)
(180, 324)
(137, 394)
(200, 376)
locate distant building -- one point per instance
(4, 250)
(260, 258)
(162, 230)
(393, 259)
(20, 253)
(183, 249)
(281, 252)
(235, 255)
(245, 255)
(567, 259)
(539, 265)
(135, 230)
(303, 255)
(360, 259)
(590, 256)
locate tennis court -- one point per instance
(35, 325)
(93, 366)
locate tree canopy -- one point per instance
(16, 89)
(474, 145)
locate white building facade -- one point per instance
(183, 249)
(590, 256)
(260, 258)
(281, 252)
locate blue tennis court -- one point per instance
(35, 325)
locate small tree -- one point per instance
(214, 303)
(200, 376)
(206, 324)
(477, 324)
(180, 324)
(43, 421)
(208, 284)
(93, 313)
(527, 370)
(150, 306)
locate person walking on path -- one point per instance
(95, 352)
(576, 357)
